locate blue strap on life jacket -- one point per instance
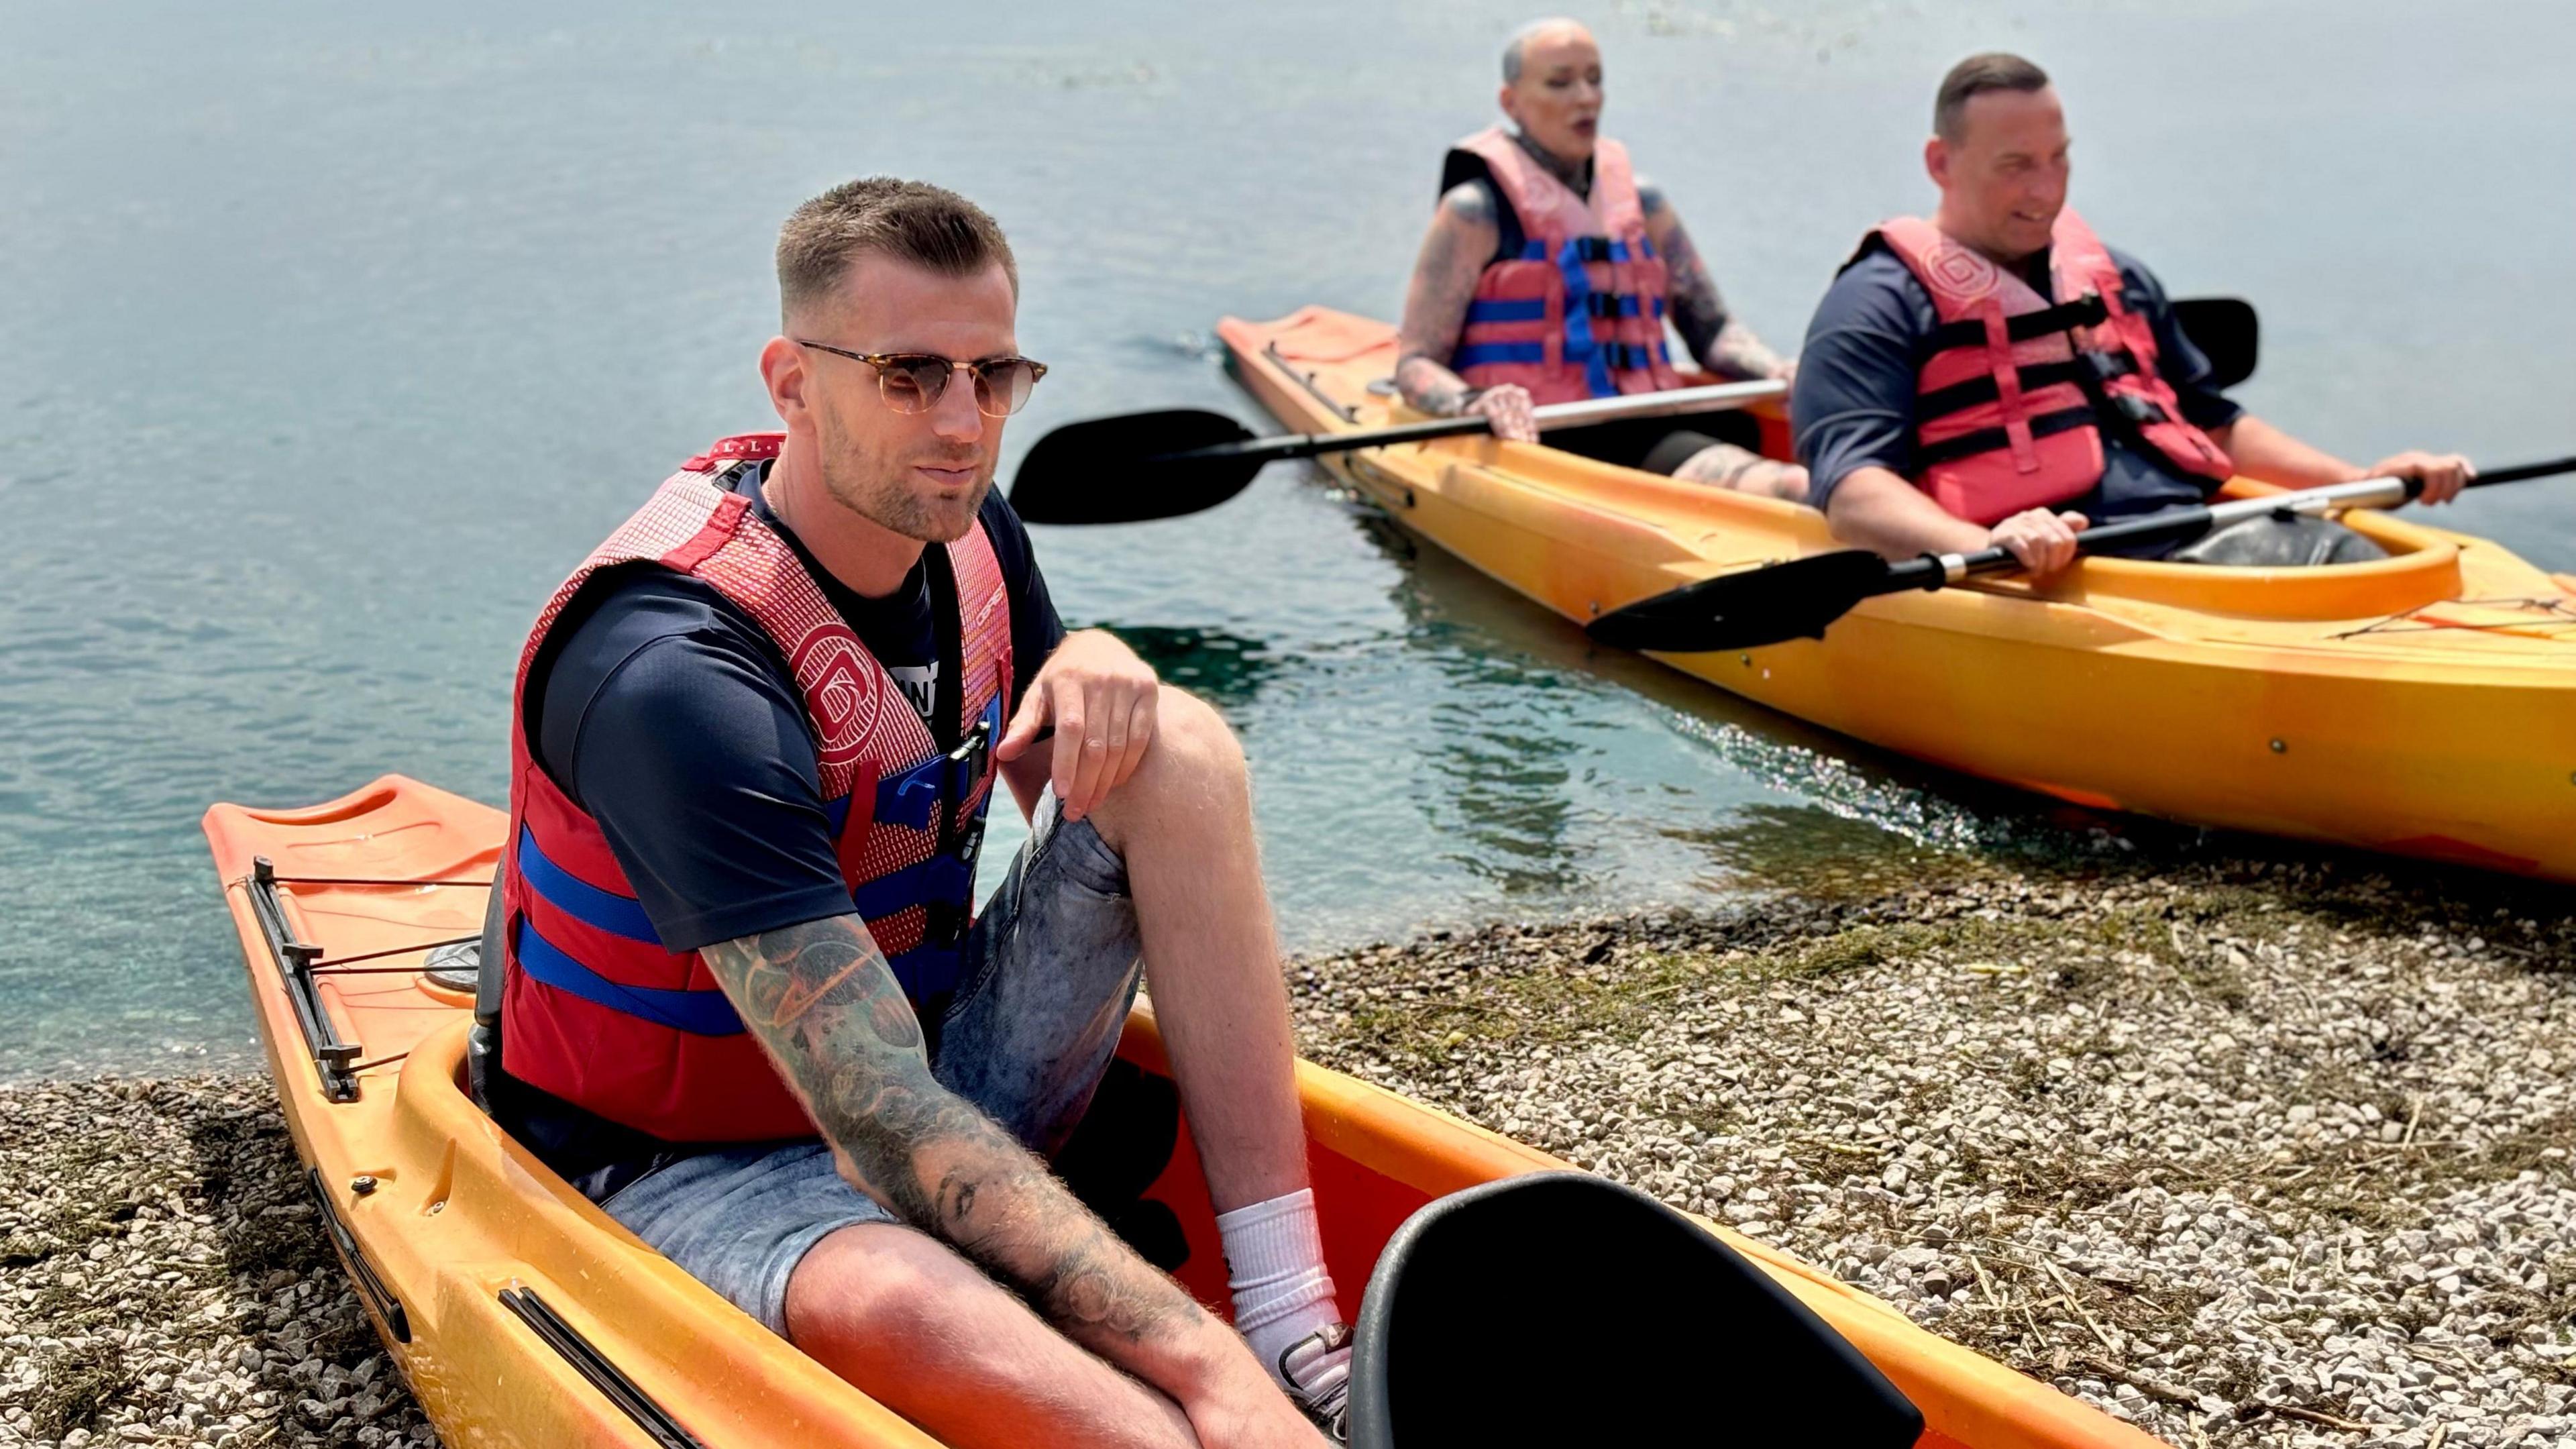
(1579, 344)
(1507, 309)
(1484, 354)
(925, 971)
(910, 798)
(943, 884)
(699, 1013)
(604, 910)
(922, 973)
(943, 877)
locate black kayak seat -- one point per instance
(1562, 1308)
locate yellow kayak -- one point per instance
(521, 1314)
(2423, 704)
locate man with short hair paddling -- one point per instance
(746, 1007)
(1997, 377)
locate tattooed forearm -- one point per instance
(1738, 353)
(1463, 236)
(821, 999)
(1722, 344)
(1699, 313)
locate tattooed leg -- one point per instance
(1727, 466)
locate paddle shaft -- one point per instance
(1716, 397)
(1931, 571)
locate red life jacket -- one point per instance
(2013, 396)
(594, 1009)
(1580, 312)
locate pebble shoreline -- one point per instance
(2257, 1154)
(2270, 1155)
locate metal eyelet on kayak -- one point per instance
(2280, 747)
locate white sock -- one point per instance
(1274, 1255)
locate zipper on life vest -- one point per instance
(2124, 417)
(969, 750)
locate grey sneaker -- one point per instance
(1317, 1371)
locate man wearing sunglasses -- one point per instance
(745, 1007)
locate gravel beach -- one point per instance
(2250, 1153)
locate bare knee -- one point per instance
(868, 1288)
(1192, 735)
(1193, 762)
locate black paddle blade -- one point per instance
(1745, 610)
(2226, 331)
(1107, 470)
(1625, 1323)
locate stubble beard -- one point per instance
(878, 485)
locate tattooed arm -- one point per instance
(1722, 344)
(821, 1000)
(1463, 236)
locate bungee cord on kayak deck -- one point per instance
(2560, 611)
(340, 963)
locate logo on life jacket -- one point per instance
(845, 699)
(1961, 273)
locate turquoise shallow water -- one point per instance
(330, 339)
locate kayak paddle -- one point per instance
(1796, 600)
(1141, 466)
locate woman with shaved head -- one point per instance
(1550, 269)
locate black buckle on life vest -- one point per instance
(2137, 409)
(943, 923)
(968, 762)
(1627, 357)
(2109, 365)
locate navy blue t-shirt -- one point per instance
(1853, 403)
(669, 716)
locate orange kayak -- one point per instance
(522, 1314)
(2423, 704)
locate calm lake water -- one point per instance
(331, 336)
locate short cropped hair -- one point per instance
(1516, 50)
(928, 226)
(1978, 74)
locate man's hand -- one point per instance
(1101, 699)
(1508, 404)
(1245, 1410)
(2444, 474)
(2043, 540)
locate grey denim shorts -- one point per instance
(1051, 969)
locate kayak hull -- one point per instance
(453, 1223)
(2422, 705)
